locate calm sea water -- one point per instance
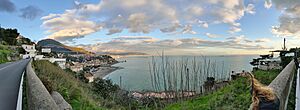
(136, 72)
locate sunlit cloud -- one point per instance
(145, 16)
(152, 45)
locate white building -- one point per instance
(30, 51)
(60, 61)
(46, 50)
(39, 57)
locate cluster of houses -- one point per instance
(71, 62)
(31, 52)
(267, 62)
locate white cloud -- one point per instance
(289, 21)
(144, 16)
(268, 4)
(151, 45)
(250, 9)
(188, 29)
(203, 24)
(68, 26)
(234, 29)
(211, 35)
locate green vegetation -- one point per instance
(9, 37)
(78, 94)
(292, 96)
(105, 88)
(4, 53)
(235, 96)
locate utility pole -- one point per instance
(284, 47)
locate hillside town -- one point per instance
(89, 65)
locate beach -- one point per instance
(103, 71)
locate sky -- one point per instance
(177, 27)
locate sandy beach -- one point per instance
(103, 71)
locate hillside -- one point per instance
(75, 92)
(61, 48)
(235, 96)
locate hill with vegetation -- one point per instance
(12, 37)
(10, 44)
(75, 92)
(4, 53)
(61, 48)
(235, 96)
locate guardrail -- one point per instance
(282, 84)
(38, 96)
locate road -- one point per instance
(10, 77)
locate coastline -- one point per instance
(106, 70)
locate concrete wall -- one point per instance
(38, 96)
(282, 84)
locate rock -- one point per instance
(60, 101)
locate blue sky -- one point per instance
(175, 26)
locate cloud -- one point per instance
(289, 20)
(68, 26)
(145, 16)
(211, 35)
(142, 44)
(268, 4)
(262, 40)
(7, 6)
(203, 24)
(250, 9)
(188, 29)
(133, 38)
(113, 31)
(30, 12)
(234, 30)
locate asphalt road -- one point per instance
(10, 77)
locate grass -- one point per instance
(76, 93)
(4, 52)
(235, 96)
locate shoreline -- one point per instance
(105, 70)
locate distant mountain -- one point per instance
(122, 53)
(61, 48)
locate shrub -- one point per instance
(105, 88)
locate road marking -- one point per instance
(20, 96)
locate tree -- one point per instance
(105, 88)
(9, 36)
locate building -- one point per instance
(46, 50)
(39, 57)
(89, 77)
(60, 61)
(271, 63)
(76, 67)
(30, 51)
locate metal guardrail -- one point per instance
(282, 84)
(38, 96)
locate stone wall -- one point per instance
(38, 97)
(282, 84)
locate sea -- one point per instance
(137, 70)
